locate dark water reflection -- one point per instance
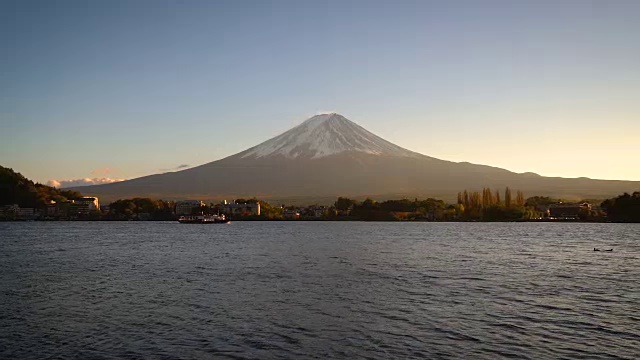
(319, 290)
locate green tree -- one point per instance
(499, 213)
(369, 204)
(344, 204)
(403, 205)
(540, 200)
(624, 208)
(247, 201)
(17, 189)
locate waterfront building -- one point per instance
(77, 209)
(26, 213)
(291, 214)
(568, 211)
(52, 209)
(9, 211)
(91, 202)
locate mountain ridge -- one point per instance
(324, 135)
(328, 156)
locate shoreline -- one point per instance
(329, 220)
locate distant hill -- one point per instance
(17, 189)
(329, 156)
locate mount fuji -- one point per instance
(329, 156)
(325, 135)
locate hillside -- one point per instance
(17, 189)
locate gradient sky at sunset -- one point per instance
(121, 89)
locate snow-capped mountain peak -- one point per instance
(324, 135)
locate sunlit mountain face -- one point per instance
(324, 135)
(328, 156)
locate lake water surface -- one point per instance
(303, 290)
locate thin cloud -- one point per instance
(182, 166)
(81, 182)
(104, 171)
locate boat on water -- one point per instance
(203, 219)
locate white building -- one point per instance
(91, 202)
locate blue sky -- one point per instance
(121, 89)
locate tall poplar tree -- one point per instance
(466, 199)
(485, 201)
(475, 200)
(507, 197)
(519, 198)
(489, 197)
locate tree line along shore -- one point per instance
(18, 192)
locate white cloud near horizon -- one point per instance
(81, 182)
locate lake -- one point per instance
(318, 290)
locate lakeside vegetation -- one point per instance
(483, 205)
(623, 208)
(17, 189)
(141, 209)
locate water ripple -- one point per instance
(319, 290)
